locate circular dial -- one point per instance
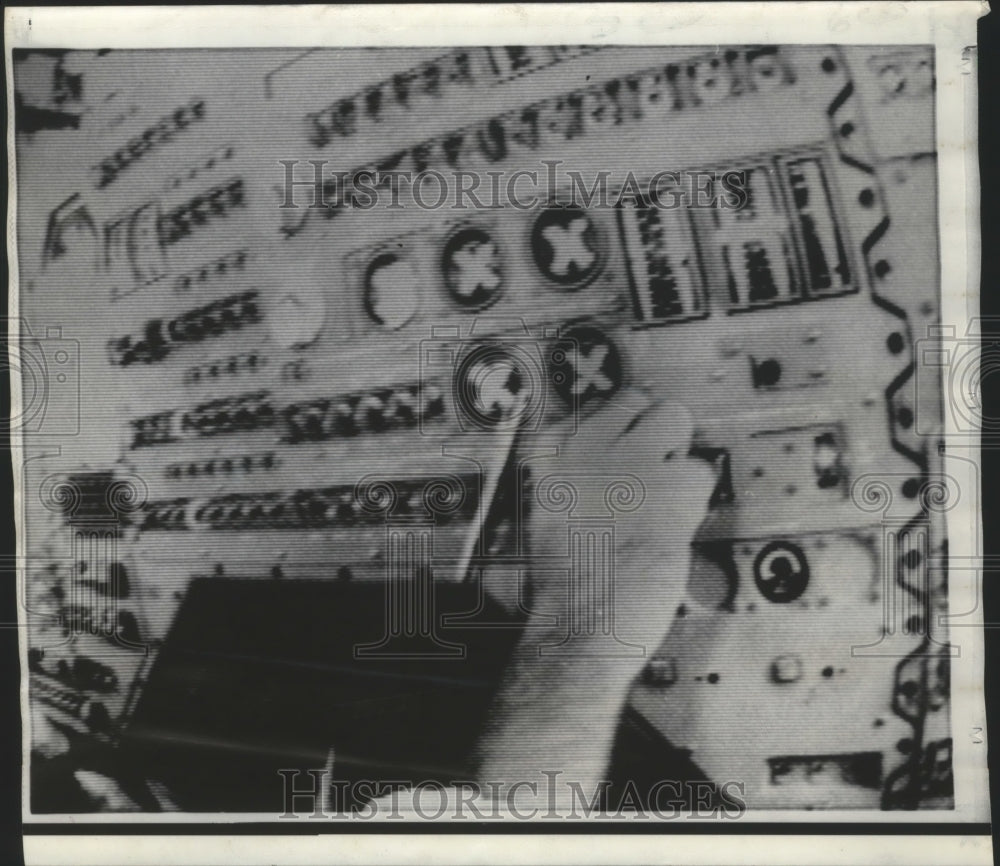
(781, 572)
(498, 385)
(471, 266)
(296, 316)
(566, 246)
(585, 364)
(392, 291)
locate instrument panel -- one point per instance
(285, 364)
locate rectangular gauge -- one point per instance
(755, 247)
(824, 250)
(662, 263)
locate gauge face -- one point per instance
(566, 246)
(472, 271)
(781, 572)
(585, 364)
(392, 291)
(296, 317)
(499, 386)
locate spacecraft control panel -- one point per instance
(232, 383)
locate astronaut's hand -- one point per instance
(631, 471)
(600, 612)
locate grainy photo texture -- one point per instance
(508, 433)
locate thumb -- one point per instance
(657, 446)
(659, 433)
(611, 421)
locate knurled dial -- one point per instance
(295, 316)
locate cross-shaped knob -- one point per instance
(471, 265)
(565, 244)
(585, 364)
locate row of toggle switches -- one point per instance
(333, 507)
(211, 320)
(380, 410)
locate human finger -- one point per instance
(612, 420)
(659, 433)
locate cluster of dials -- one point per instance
(445, 77)
(209, 162)
(436, 78)
(566, 247)
(783, 245)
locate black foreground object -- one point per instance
(261, 676)
(257, 677)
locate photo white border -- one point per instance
(950, 26)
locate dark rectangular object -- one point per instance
(259, 676)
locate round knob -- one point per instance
(499, 384)
(295, 317)
(471, 267)
(566, 246)
(766, 71)
(585, 364)
(391, 291)
(709, 80)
